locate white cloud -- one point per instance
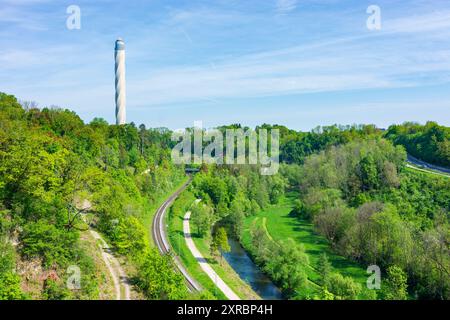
(437, 20)
(405, 53)
(370, 61)
(285, 6)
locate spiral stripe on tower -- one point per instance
(120, 82)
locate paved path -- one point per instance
(202, 261)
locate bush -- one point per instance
(10, 287)
(157, 278)
(344, 288)
(55, 246)
(129, 237)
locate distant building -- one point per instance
(121, 99)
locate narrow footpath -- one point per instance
(118, 275)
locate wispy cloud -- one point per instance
(328, 69)
(285, 6)
(192, 54)
(438, 20)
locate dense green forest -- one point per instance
(373, 210)
(50, 163)
(360, 196)
(59, 177)
(429, 142)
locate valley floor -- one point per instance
(280, 225)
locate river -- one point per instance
(239, 260)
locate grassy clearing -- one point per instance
(280, 225)
(178, 243)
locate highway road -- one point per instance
(424, 165)
(160, 237)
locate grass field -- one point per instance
(280, 225)
(223, 269)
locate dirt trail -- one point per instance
(118, 275)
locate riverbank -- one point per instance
(222, 268)
(204, 263)
(248, 271)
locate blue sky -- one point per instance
(298, 63)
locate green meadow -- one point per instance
(281, 225)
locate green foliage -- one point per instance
(50, 161)
(343, 288)
(296, 146)
(236, 220)
(262, 246)
(9, 280)
(395, 286)
(239, 186)
(54, 290)
(157, 278)
(355, 167)
(10, 287)
(324, 295)
(220, 241)
(354, 189)
(287, 266)
(368, 294)
(368, 172)
(324, 269)
(202, 217)
(299, 209)
(54, 245)
(284, 262)
(429, 142)
(129, 237)
(372, 210)
(7, 257)
(277, 187)
(203, 295)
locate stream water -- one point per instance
(239, 260)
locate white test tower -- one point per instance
(121, 100)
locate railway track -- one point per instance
(160, 237)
